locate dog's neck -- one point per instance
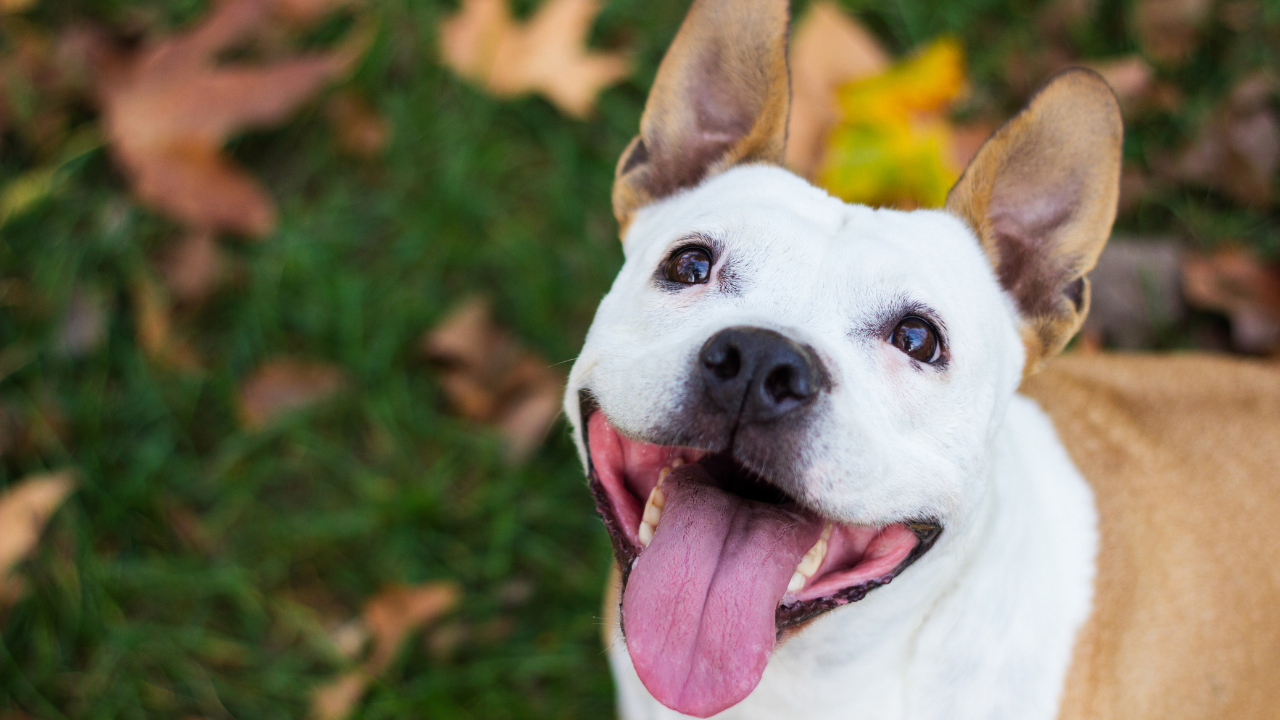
(982, 627)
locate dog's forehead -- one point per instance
(782, 236)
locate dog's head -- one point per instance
(785, 400)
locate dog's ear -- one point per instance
(720, 99)
(1041, 196)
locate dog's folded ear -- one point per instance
(1041, 196)
(720, 99)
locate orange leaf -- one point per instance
(336, 699)
(169, 108)
(281, 386)
(547, 54)
(153, 322)
(24, 510)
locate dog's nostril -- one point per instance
(784, 382)
(725, 361)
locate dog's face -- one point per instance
(785, 400)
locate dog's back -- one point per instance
(1183, 453)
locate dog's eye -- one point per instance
(689, 266)
(917, 338)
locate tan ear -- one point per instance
(720, 99)
(1041, 196)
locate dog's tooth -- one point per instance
(653, 508)
(676, 462)
(662, 475)
(797, 583)
(646, 534)
(812, 560)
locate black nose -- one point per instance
(760, 373)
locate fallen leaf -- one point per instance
(153, 326)
(169, 108)
(397, 611)
(24, 509)
(336, 699)
(1168, 30)
(1238, 150)
(483, 43)
(1136, 292)
(282, 386)
(388, 618)
(84, 325)
(828, 49)
(193, 266)
(359, 129)
(892, 144)
(1234, 282)
(489, 377)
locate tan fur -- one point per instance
(1183, 454)
(720, 99)
(1041, 196)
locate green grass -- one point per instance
(131, 617)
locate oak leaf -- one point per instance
(547, 54)
(1238, 149)
(387, 619)
(487, 376)
(24, 509)
(169, 108)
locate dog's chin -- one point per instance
(717, 563)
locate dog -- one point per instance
(845, 473)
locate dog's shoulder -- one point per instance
(1183, 455)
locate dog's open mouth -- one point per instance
(717, 562)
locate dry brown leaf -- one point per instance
(1234, 282)
(388, 618)
(547, 54)
(1238, 149)
(336, 699)
(153, 325)
(1168, 30)
(169, 108)
(489, 377)
(281, 386)
(193, 266)
(828, 50)
(24, 509)
(359, 129)
(397, 611)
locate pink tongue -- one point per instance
(698, 610)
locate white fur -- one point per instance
(982, 625)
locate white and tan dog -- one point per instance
(786, 402)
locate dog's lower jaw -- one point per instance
(983, 626)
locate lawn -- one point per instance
(200, 565)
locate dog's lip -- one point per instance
(824, 592)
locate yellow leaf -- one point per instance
(892, 143)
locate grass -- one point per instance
(133, 613)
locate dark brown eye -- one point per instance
(689, 266)
(916, 338)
